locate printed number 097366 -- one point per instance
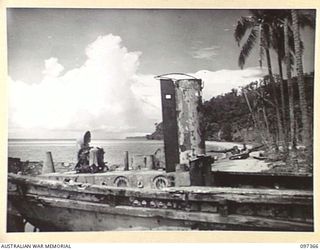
(309, 246)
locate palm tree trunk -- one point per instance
(290, 86)
(279, 125)
(265, 119)
(255, 124)
(283, 105)
(306, 137)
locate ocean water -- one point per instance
(66, 150)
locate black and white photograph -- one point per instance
(160, 119)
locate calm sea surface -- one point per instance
(66, 150)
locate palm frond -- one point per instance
(306, 18)
(266, 31)
(247, 47)
(291, 58)
(243, 25)
(277, 41)
(291, 41)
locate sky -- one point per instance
(72, 70)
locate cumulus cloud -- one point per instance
(102, 94)
(52, 67)
(105, 94)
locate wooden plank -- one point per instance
(212, 190)
(94, 189)
(236, 220)
(303, 197)
(101, 198)
(266, 199)
(266, 173)
(177, 190)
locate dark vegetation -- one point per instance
(228, 118)
(277, 110)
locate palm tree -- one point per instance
(258, 27)
(283, 44)
(306, 131)
(277, 37)
(268, 27)
(278, 44)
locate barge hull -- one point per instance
(52, 214)
(56, 206)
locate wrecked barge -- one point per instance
(185, 194)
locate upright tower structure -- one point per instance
(181, 104)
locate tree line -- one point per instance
(278, 109)
(279, 30)
(247, 114)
